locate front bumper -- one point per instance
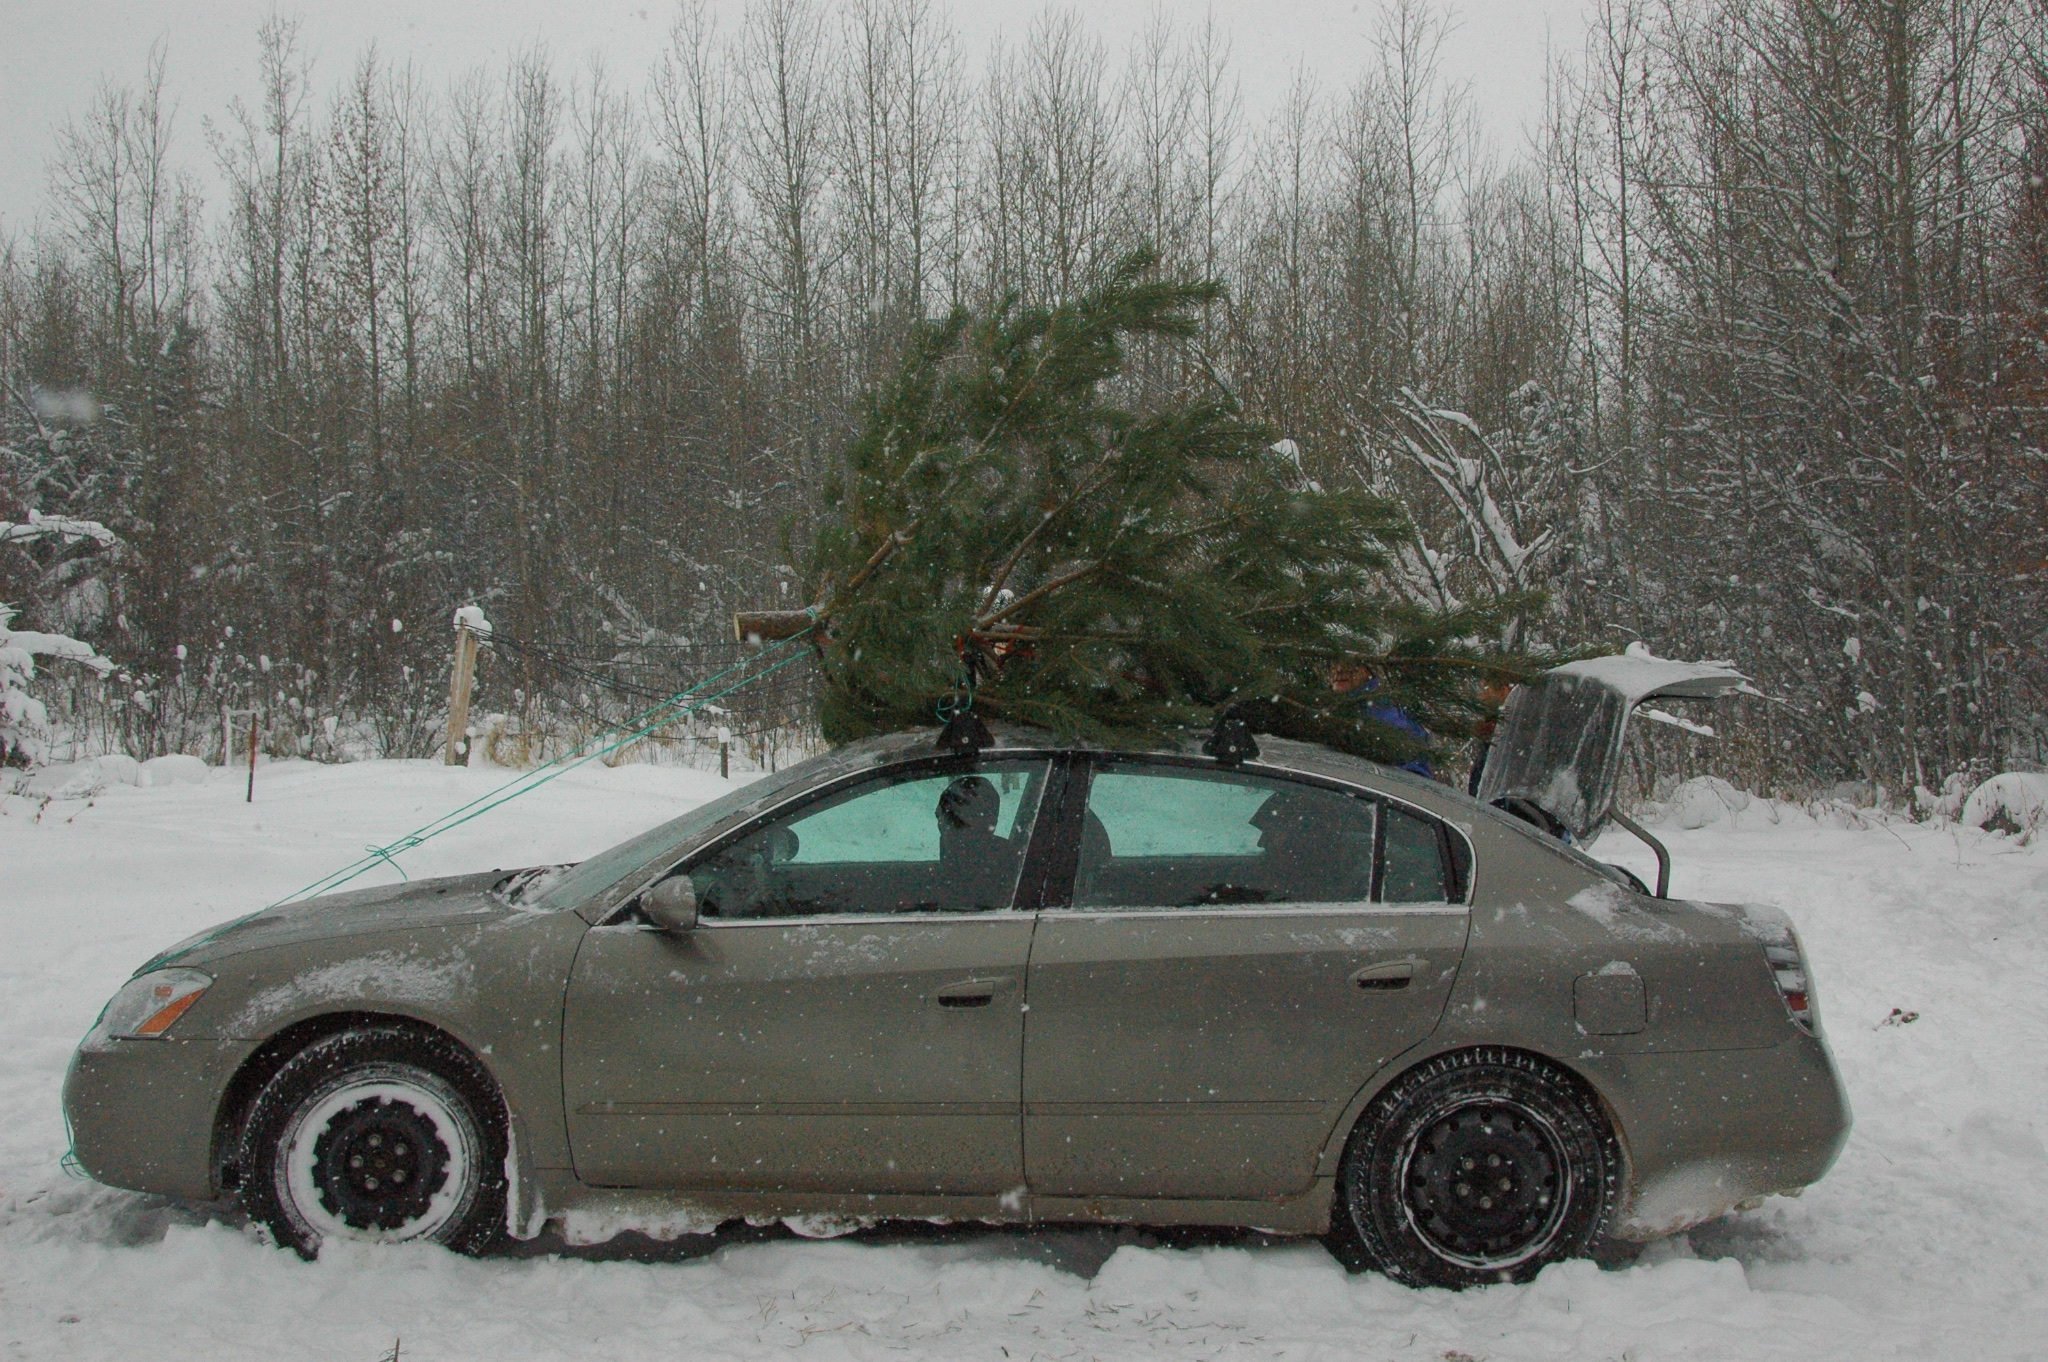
(142, 1112)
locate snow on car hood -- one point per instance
(414, 903)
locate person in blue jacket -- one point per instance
(1358, 683)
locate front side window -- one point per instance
(1181, 837)
(907, 843)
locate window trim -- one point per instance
(1251, 910)
(1054, 856)
(931, 919)
(1379, 855)
(1457, 869)
(1463, 872)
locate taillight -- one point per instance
(1788, 967)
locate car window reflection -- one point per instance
(916, 843)
(1414, 861)
(1167, 837)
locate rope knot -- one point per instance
(391, 853)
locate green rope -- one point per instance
(677, 706)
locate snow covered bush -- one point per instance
(1954, 794)
(2015, 802)
(24, 724)
(1703, 802)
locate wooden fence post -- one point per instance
(227, 741)
(459, 686)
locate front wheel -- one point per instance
(1476, 1167)
(383, 1134)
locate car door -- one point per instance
(1239, 953)
(846, 1016)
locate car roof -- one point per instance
(1284, 754)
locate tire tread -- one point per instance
(338, 1052)
(1362, 1242)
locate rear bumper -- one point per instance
(1709, 1130)
(141, 1113)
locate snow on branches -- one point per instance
(1497, 498)
(62, 528)
(24, 723)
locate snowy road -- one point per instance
(1925, 1242)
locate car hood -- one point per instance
(415, 903)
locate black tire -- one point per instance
(382, 1133)
(1410, 1202)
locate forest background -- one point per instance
(1743, 353)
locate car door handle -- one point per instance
(1391, 974)
(970, 992)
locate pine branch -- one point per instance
(1080, 490)
(1038, 594)
(893, 541)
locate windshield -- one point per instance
(603, 869)
(1559, 747)
(599, 872)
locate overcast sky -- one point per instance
(54, 52)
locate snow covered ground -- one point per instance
(1925, 1242)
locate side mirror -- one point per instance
(672, 904)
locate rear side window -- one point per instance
(1183, 837)
(1414, 859)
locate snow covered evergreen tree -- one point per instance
(24, 723)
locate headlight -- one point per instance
(146, 1006)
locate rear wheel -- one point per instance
(1476, 1167)
(384, 1134)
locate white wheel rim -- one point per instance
(297, 1163)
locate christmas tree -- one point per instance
(1005, 538)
